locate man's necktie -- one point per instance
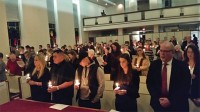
(164, 80)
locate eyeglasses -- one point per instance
(165, 51)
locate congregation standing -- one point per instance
(172, 76)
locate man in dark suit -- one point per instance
(168, 81)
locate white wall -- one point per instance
(50, 7)
(64, 18)
(4, 43)
(154, 4)
(34, 22)
(184, 2)
(12, 10)
(114, 10)
(86, 9)
(130, 5)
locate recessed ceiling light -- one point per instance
(106, 4)
(97, 0)
(120, 6)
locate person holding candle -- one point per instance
(193, 60)
(141, 62)
(127, 86)
(62, 78)
(2, 69)
(39, 80)
(90, 82)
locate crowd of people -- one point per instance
(172, 72)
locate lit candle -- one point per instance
(7, 56)
(50, 84)
(6, 70)
(20, 56)
(95, 47)
(145, 46)
(137, 65)
(104, 47)
(77, 83)
(121, 50)
(117, 86)
(189, 67)
(78, 49)
(46, 58)
(144, 50)
(28, 77)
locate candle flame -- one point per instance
(117, 84)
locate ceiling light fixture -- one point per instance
(120, 6)
(106, 4)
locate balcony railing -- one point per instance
(186, 11)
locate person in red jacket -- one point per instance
(12, 67)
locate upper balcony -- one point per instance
(179, 14)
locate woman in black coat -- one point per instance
(39, 80)
(127, 86)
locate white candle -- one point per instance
(46, 58)
(50, 84)
(189, 67)
(77, 83)
(117, 86)
(28, 77)
(137, 65)
(6, 70)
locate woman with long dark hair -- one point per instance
(127, 86)
(192, 59)
(115, 52)
(107, 61)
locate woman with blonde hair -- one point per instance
(39, 80)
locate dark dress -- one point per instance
(61, 73)
(195, 87)
(107, 68)
(39, 93)
(128, 101)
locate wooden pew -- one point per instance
(13, 83)
(24, 87)
(143, 102)
(108, 100)
(4, 90)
